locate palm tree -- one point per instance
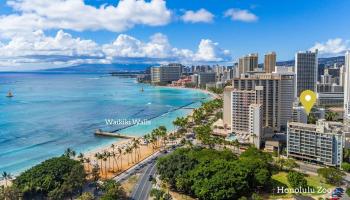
(112, 146)
(104, 158)
(135, 146)
(114, 160)
(98, 156)
(121, 157)
(108, 156)
(69, 153)
(127, 151)
(330, 116)
(6, 176)
(147, 138)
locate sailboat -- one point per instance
(9, 94)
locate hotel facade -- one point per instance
(320, 143)
(277, 96)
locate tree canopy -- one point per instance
(58, 177)
(203, 173)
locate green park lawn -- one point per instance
(316, 182)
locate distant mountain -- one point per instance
(339, 60)
(101, 68)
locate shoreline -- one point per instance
(90, 153)
(123, 143)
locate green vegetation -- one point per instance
(296, 180)
(202, 173)
(190, 85)
(160, 195)
(56, 178)
(346, 155)
(286, 163)
(348, 191)
(86, 196)
(331, 116)
(345, 166)
(280, 179)
(216, 90)
(112, 191)
(332, 175)
(311, 119)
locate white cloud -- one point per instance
(38, 51)
(76, 15)
(241, 15)
(210, 51)
(201, 15)
(37, 43)
(334, 46)
(159, 48)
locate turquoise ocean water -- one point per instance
(53, 111)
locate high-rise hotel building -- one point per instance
(347, 89)
(306, 64)
(166, 73)
(246, 112)
(277, 96)
(321, 143)
(270, 62)
(248, 63)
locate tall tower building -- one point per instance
(347, 88)
(278, 92)
(247, 115)
(306, 64)
(270, 62)
(248, 63)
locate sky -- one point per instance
(37, 34)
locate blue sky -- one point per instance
(189, 31)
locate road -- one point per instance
(125, 175)
(144, 185)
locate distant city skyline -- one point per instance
(37, 34)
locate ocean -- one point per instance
(53, 111)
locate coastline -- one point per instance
(123, 143)
(90, 152)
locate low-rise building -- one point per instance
(320, 143)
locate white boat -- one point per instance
(9, 94)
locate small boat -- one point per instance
(9, 94)
(142, 89)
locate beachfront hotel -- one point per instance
(166, 73)
(320, 143)
(246, 115)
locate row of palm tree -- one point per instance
(114, 158)
(158, 137)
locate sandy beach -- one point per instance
(124, 161)
(115, 165)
